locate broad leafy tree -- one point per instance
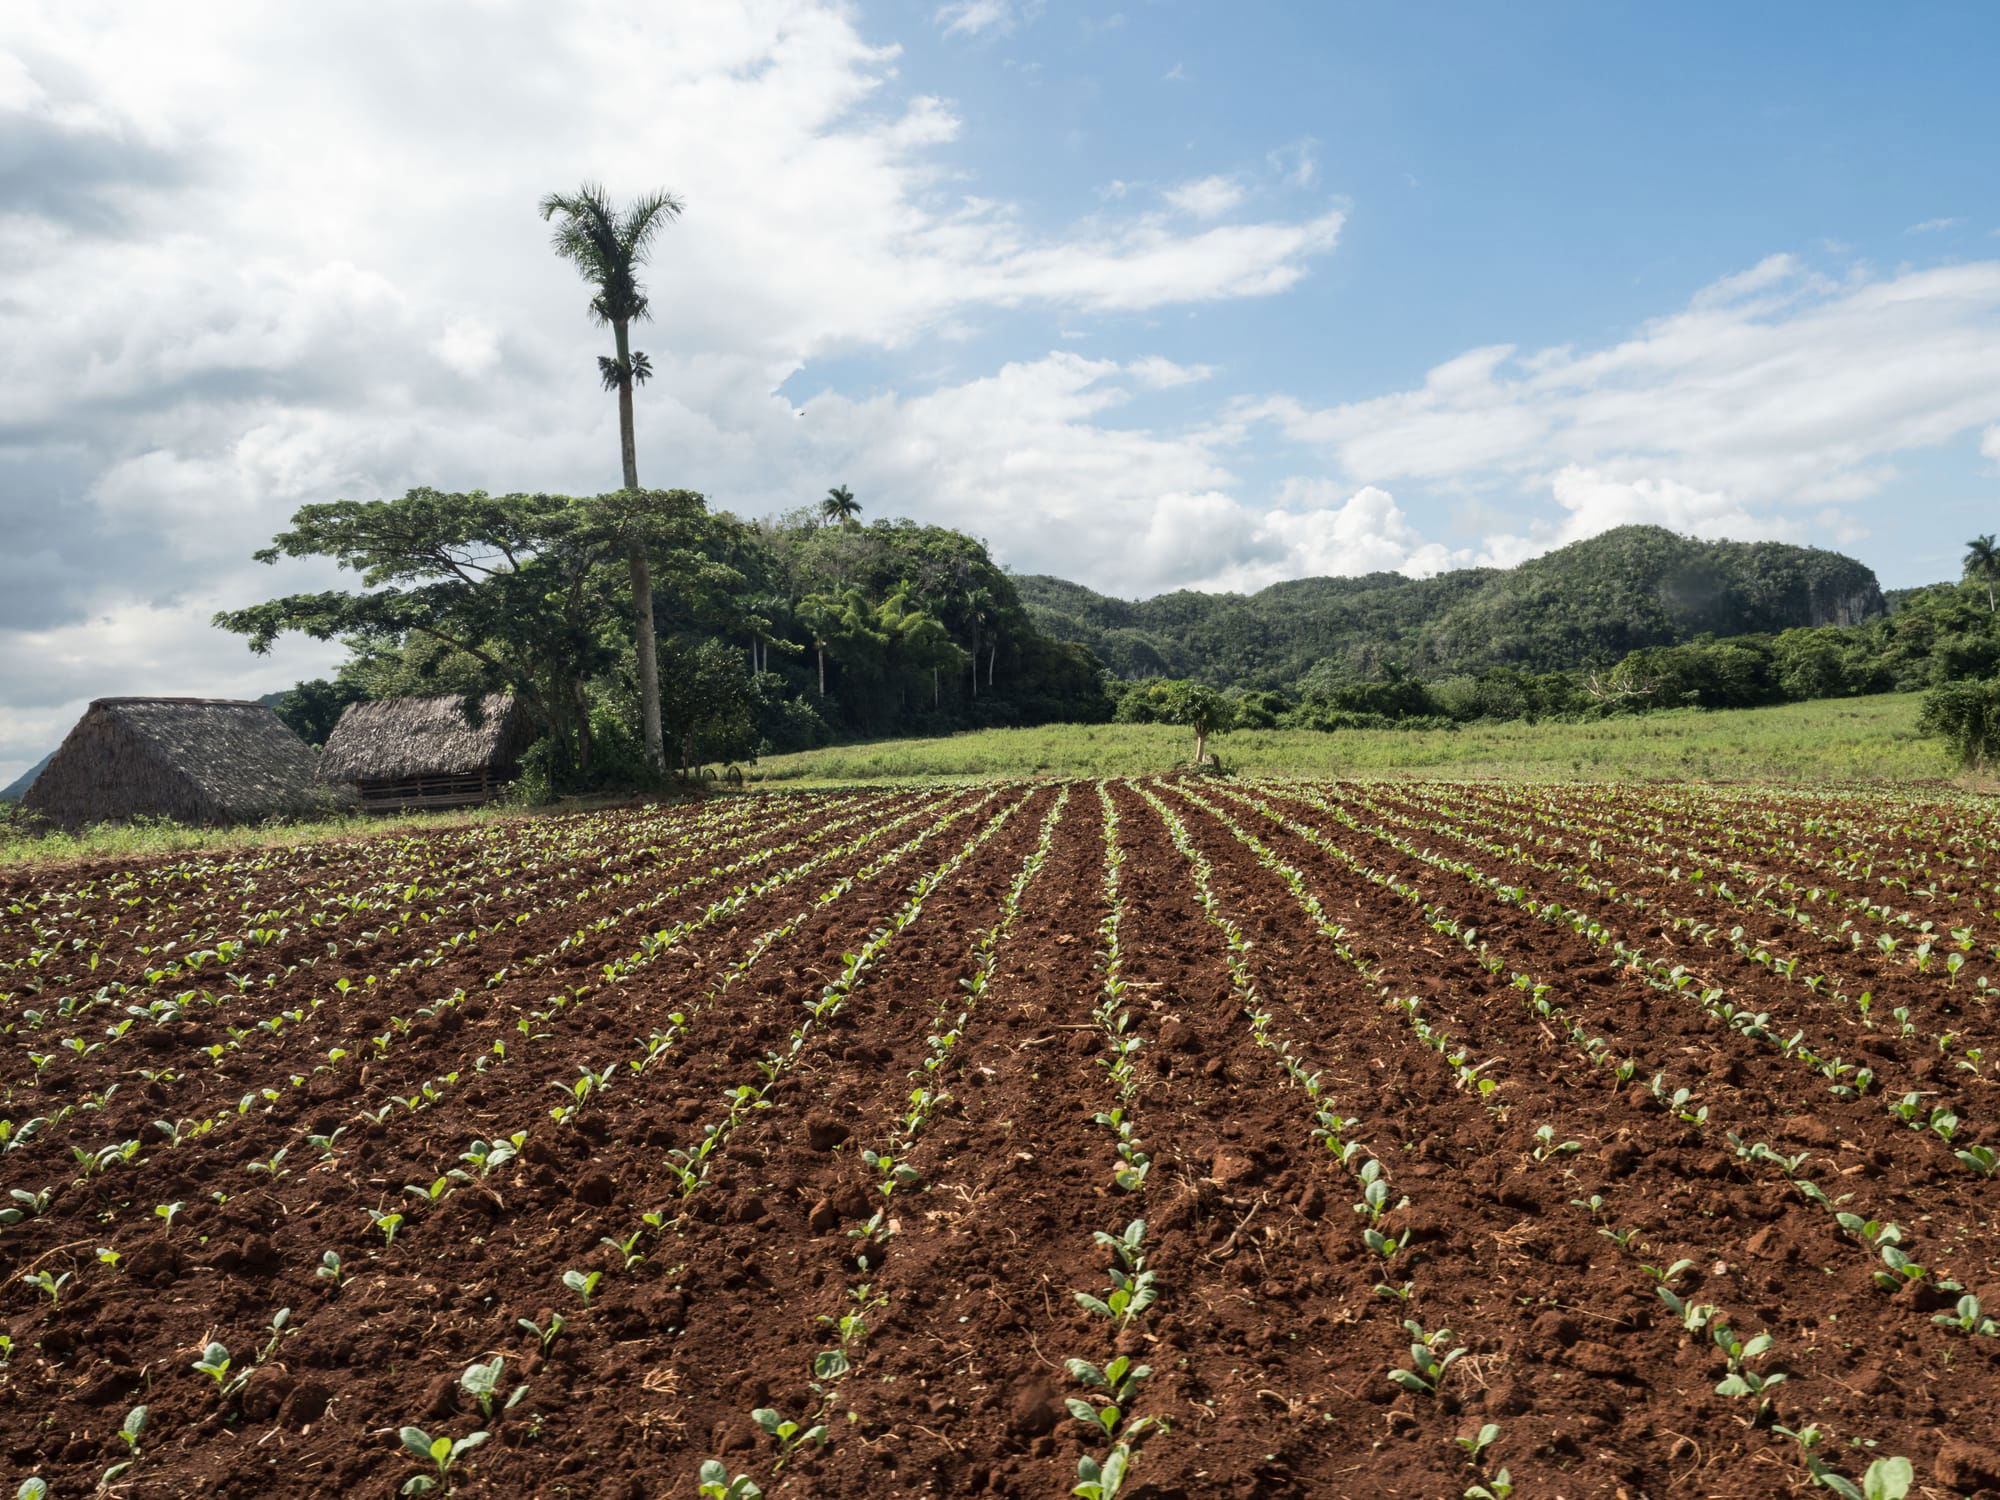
(607, 247)
(521, 585)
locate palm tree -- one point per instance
(839, 505)
(607, 248)
(1982, 561)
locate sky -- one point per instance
(1149, 294)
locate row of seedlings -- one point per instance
(1883, 1238)
(1432, 1352)
(864, 1295)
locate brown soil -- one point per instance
(1271, 1342)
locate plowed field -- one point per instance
(1186, 1137)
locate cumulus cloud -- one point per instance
(209, 318)
(1774, 389)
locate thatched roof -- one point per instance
(196, 760)
(394, 739)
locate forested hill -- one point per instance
(1587, 604)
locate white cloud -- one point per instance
(339, 287)
(1932, 226)
(468, 345)
(1176, 74)
(1205, 197)
(1296, 162)
(977, 17)
(1775, 388)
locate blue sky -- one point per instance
(1156, 294)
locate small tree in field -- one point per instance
(1966, 716)
(1202, 709)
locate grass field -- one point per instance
(1856, 740)
(1834, 741)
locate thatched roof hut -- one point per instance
(451, 751)
(196, 760)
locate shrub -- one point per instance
(1966, 716)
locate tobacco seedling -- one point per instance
(49, 1286)
(1102, 1480)
(278, 1327)
(546, 1335)
(1132, 1289)
(215, 1363)
(482, 1383)
(485, 1156)
(1375, 1193)
(330, 1268)
(1429, 1367)
(168, 1211)
(1476, 1445)
(583, 1283)
(388, 1223)
(717, 1485)
(1983, 1160)
(1742, 1380)
(1968, 1318)
(432, 1194)
(441, 1452)
(627, 1247)
(1547, 1146)
(1499, 1487)
(1693, 1316)
(790, 1435)
(1120, 1381)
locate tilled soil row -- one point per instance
(274, 1030)
(1850, 860)
(1824, 992)
(1769, 901)
(273, 881)
(478, 1242)
(398, 1140)
(1276, 1327)
(1750, 987)
(1658, 1178)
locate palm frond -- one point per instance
(643, 220)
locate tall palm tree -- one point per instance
(1982, 561)
(607, 247)
(839, 505)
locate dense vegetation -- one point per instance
(771, 636)
(1585, 605)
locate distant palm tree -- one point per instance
(1982, 561)
(839, 505)
(607, 248)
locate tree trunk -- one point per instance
(1200, 744)
(822, 667)
(991, 652)
(582, 730)
(975, 658)
(936, 692)
(644, 644)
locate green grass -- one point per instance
(1833, 741)
(152, 837)
(1837, 741)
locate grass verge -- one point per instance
(1832, 741)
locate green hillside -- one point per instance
(1587, 604)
